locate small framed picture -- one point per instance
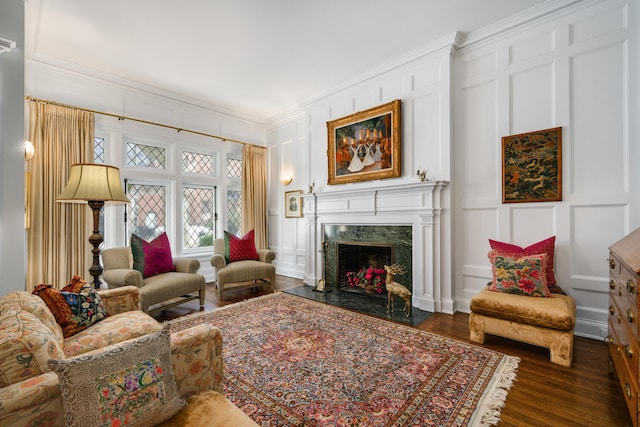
(293, 204)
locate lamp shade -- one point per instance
(89, 181)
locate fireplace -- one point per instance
(351, 248)
(405, 215)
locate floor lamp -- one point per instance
(95, 184)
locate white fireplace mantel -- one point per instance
(417, 204)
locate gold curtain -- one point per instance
(58, 233)
(254, 194)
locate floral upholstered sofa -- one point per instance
(31, 393)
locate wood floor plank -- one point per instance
(544, 394)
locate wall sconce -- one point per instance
(29, 150)
(287, 180)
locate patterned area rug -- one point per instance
(291, 361)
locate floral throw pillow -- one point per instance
(86, 306)
(152, 258)
(546, 246)
(129, 383)
(240, 248)
(521, 276)
(75, 307)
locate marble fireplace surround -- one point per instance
(416, 204)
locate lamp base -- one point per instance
(96, 240)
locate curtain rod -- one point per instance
(120, 117)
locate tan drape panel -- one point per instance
(254, 194)
(58, 235)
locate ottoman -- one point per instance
(210, 409)
(545, 322)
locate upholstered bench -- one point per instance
(546, 322)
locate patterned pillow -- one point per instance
(154, 257)
(56, 303)
(128, 383)
(521, 276)
(546, 246)
(240, 248)
(76, 307)
(86, 306)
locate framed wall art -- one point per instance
(293, 204)
(532, 167)
(366, 145)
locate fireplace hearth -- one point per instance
(360, 266)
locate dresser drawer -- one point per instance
(628, 384)
(623, 307)
(619, 272)
(628, 345)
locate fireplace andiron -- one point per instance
(321, 286)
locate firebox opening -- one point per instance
(360, 266)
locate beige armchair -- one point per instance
(247, 273)
(169, 289)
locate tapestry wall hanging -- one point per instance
(532, 167)
(365, 145)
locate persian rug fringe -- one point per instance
(488, 413)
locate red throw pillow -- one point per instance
(154, 257)
(240, 248)
(546, 246)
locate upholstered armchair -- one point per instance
(177, 286)
(242, 273)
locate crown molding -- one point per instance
(547, 10)
(437, 47)
(114, 80)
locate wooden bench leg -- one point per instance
(476, 329)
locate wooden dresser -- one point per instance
(624, 348)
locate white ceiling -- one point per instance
(258, 58)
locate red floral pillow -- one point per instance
(152, 258)
(240, 248)
(546, 246)
(521, 276)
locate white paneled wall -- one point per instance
(287, 153)
(574, 67)
(574, 72)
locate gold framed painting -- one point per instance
(293, 204)
(532, 167)
(365, 145)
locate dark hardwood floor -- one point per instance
(544, 394)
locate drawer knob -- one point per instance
(630, 316)
(611, 310)
(619, 318)
(612, 263)
(631, 287)
(628, 350)
(612, 284)
(627, 389)
(608, 339)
